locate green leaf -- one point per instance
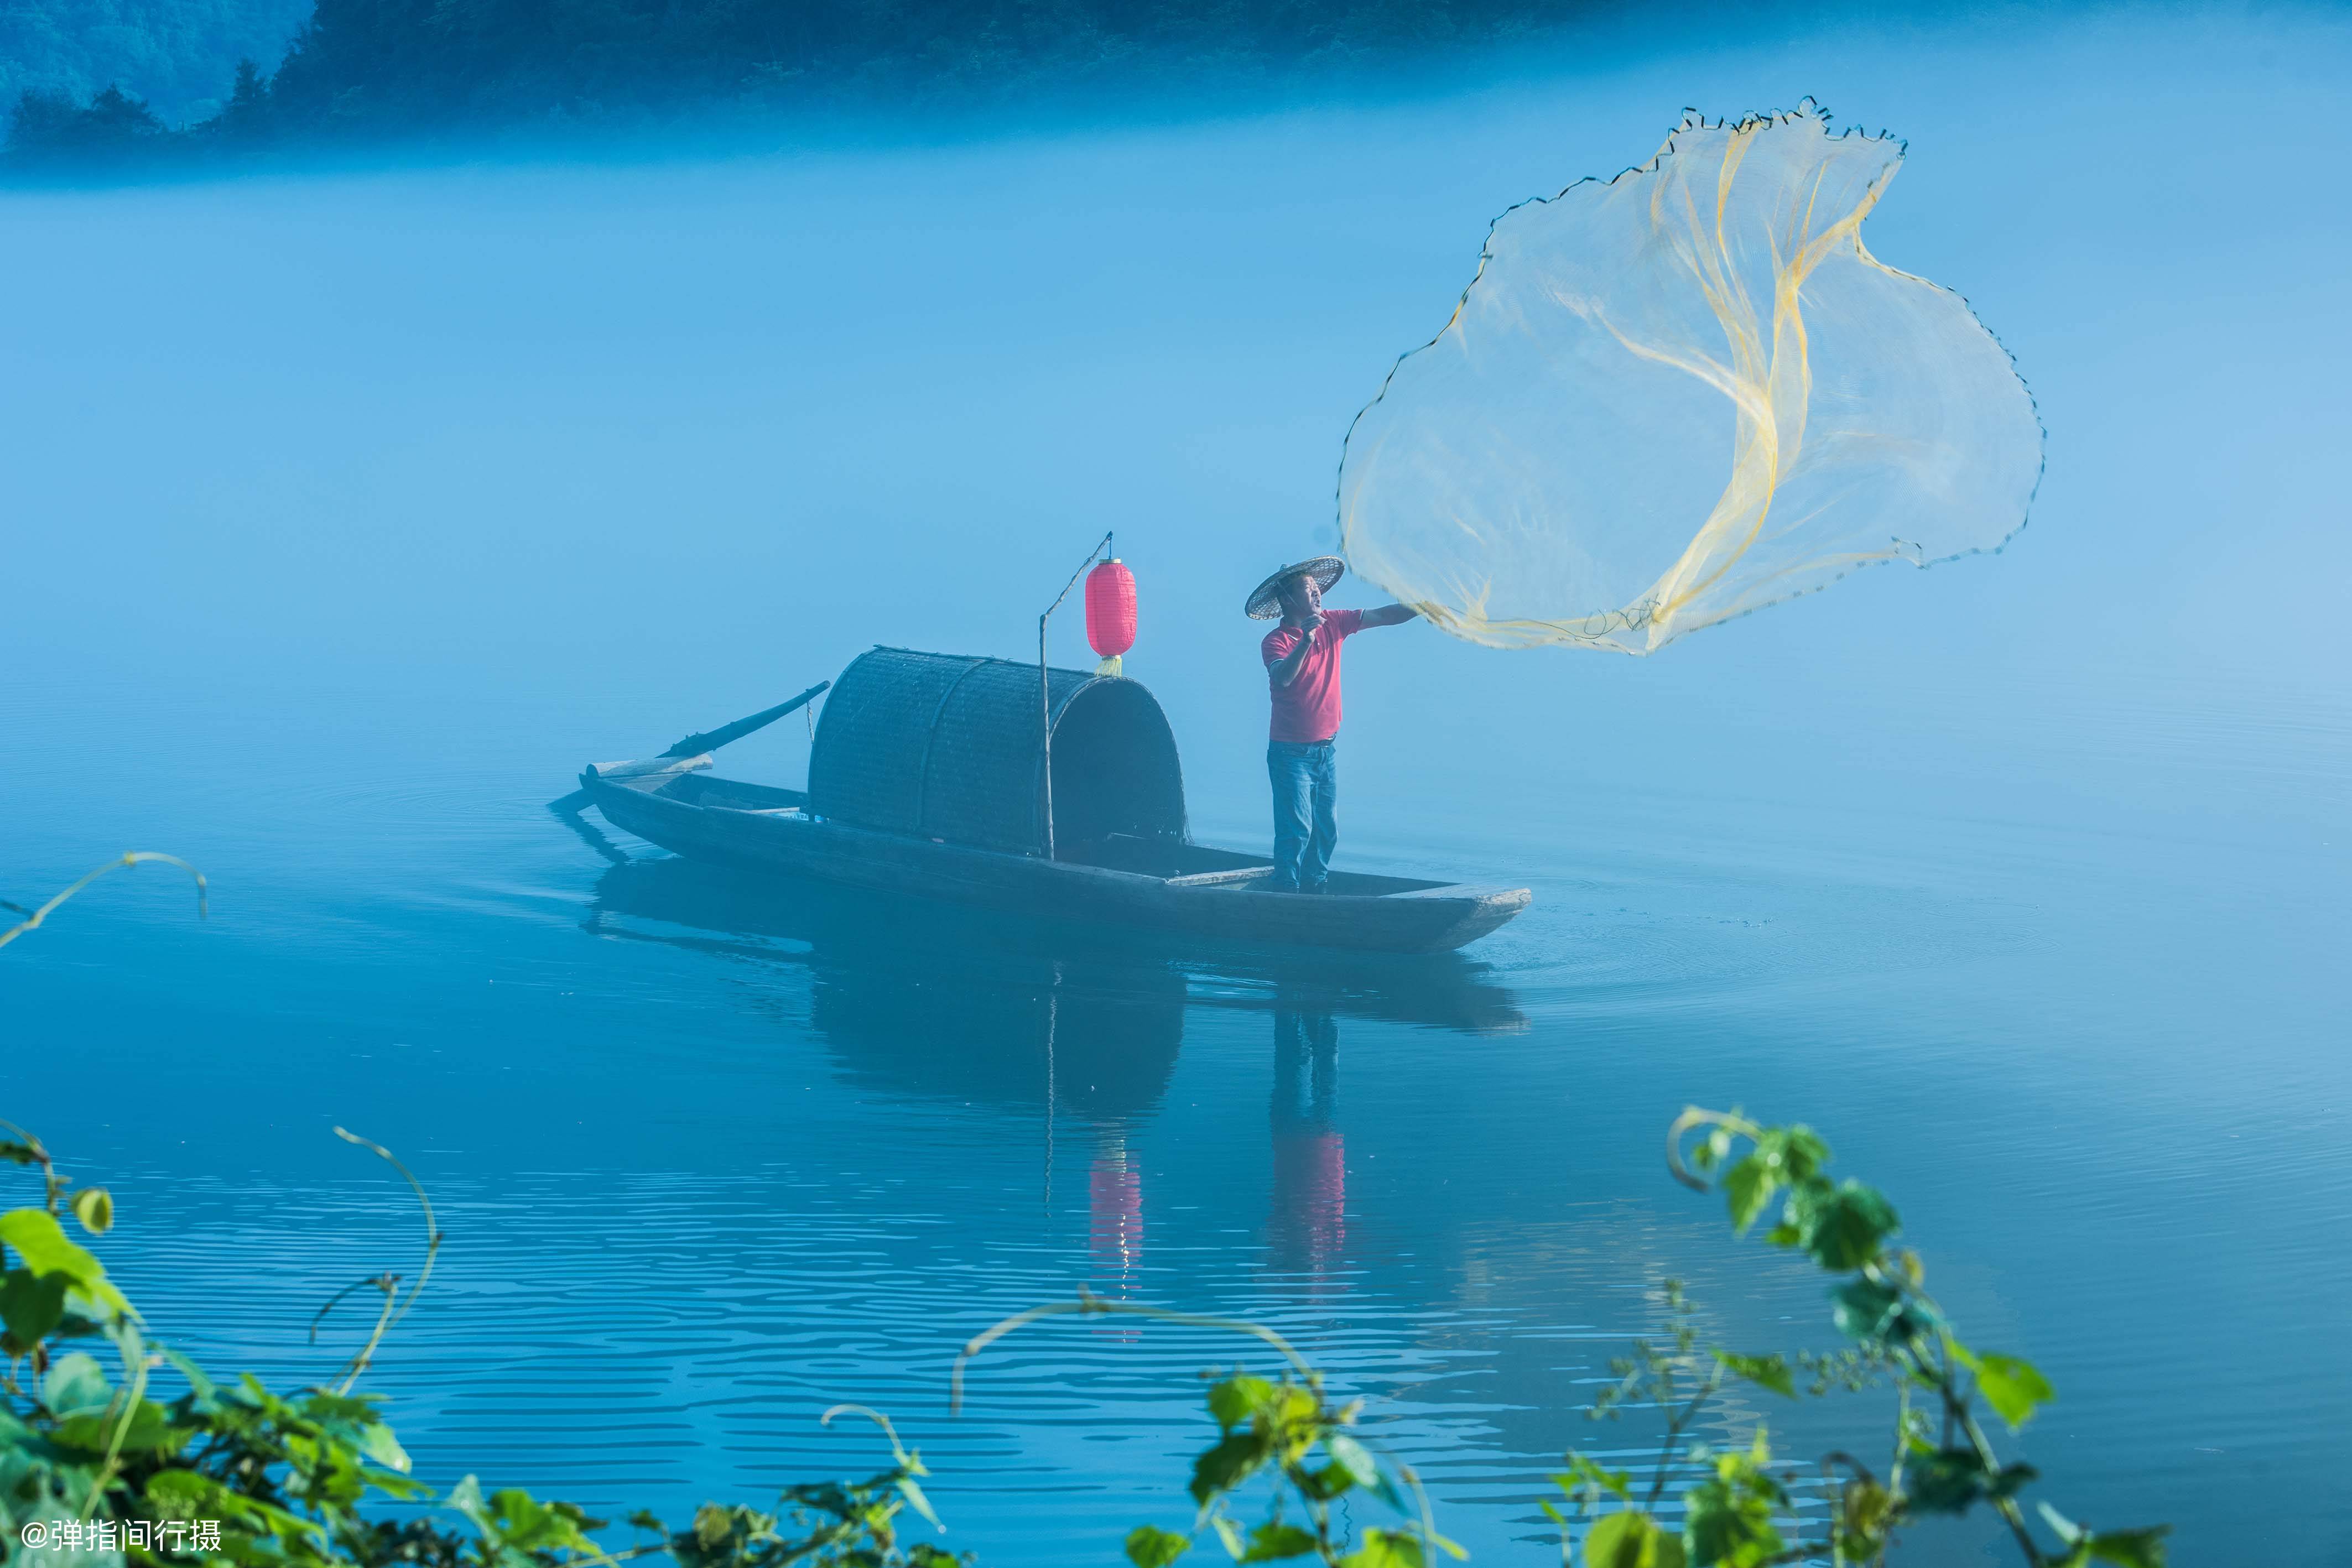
(19, 1153)
(1844, 1227)
(1631, 1540)
(1226, 1466)
(1797, 1154)
(1148, 1546)
(1317, 1483)
(1728, 1519)
(2068, 1530)
(1384, 1487)
(1585, 1476)
(1354, 1458)
(94, 1206)
(1765, 1370)
(95, 1431)
(376, 1442)
(1272, 1542)
(199, 1385)
(2131, 1548)
(1783, 1157)
(1230, 1534)
(35, 1236)
(520, 1521)
(1866, 1511)
(32, 1306)
(466, 1498)
(1953, 1481)
(916, 1501)
(1864, 1310)
(2013, 1386)
(76, 1383)
(1290, 1405)
(1386, 1548)
(1747, 1186)
(1237, 1398)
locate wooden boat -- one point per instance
(953, 779)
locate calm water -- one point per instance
(349, 515)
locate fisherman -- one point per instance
(1302, 669)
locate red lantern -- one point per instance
(1111, 613)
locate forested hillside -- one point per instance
(497, 57)
(394, 68)
(178, 55)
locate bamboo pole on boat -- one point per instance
(711, 740)
(1045, 696)
(708, 740)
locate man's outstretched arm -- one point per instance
(1387, 615)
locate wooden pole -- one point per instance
(1045, 696)
(711, 740)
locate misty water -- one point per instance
(347, 515)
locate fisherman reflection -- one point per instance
(1310, 1222)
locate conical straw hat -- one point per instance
(1264, 604)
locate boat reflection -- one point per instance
(933, 1002)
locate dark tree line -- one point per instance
(176, 54)
(114, 126)
(117, 131)
(376, 68)
(491, 56)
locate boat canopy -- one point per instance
(942, 746)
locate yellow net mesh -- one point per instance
(1683, 394)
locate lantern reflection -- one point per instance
(1114, 1213)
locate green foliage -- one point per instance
(1878, 1299)
(291, 1478)
(1955, 1480)
(1631, 1539)
(1148, 1546)
(1771, 1372)
(2014, 1387)
(1727, 1516)
(1289, 1438)
(2124, 1548)
(38, 1242)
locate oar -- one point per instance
(710, 740)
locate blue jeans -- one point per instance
(1305, 779)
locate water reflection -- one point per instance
(1079, 1029)
(1308, 1222)
(930, 998)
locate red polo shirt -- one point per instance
(1307, 709)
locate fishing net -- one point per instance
(1683, 395)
